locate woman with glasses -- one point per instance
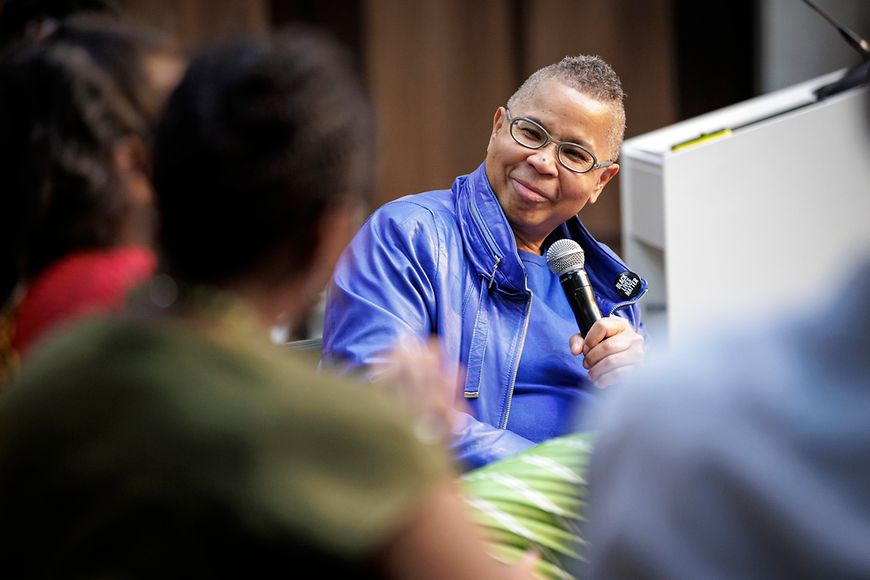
(467, 264)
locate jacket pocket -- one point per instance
(477, 347)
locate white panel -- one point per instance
(762, 219)
(645, 198)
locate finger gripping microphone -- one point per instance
(565, 258)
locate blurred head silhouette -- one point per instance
(262, 162)
(78, 105)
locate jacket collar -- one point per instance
(492, 249)
(602, 265)
(486, 233)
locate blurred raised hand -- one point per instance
(414, 371)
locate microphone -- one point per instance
(855, 76)
(860, 45)
(565, 258)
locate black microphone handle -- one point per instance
(578, 289)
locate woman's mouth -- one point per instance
(527, 192)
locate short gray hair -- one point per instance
(593, 77)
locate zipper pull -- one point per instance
(492, 276)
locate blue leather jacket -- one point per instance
(445, 262)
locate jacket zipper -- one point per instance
(634, 300)
(475, 213)
(526, 317)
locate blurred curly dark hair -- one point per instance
(256, 143)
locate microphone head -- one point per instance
(565, 255)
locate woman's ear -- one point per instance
(327, 239)
(333, 232)
(130, 154)
(603, 179)
(133, 169)
(131, 160)
(497, 121)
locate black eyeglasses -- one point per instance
(572, 156)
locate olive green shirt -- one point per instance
(135, 447)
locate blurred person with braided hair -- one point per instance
(78, 108)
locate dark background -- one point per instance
(438, 69)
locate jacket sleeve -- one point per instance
(476, 444)
(386, 286)
(382, 289)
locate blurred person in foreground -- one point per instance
(78, 108)
(467, 264)
(176, 439)
(746, 455)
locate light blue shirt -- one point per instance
(551, 385)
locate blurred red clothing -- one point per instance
(81, 283)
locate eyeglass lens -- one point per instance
(529, 134)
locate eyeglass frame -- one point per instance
(559, 144)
